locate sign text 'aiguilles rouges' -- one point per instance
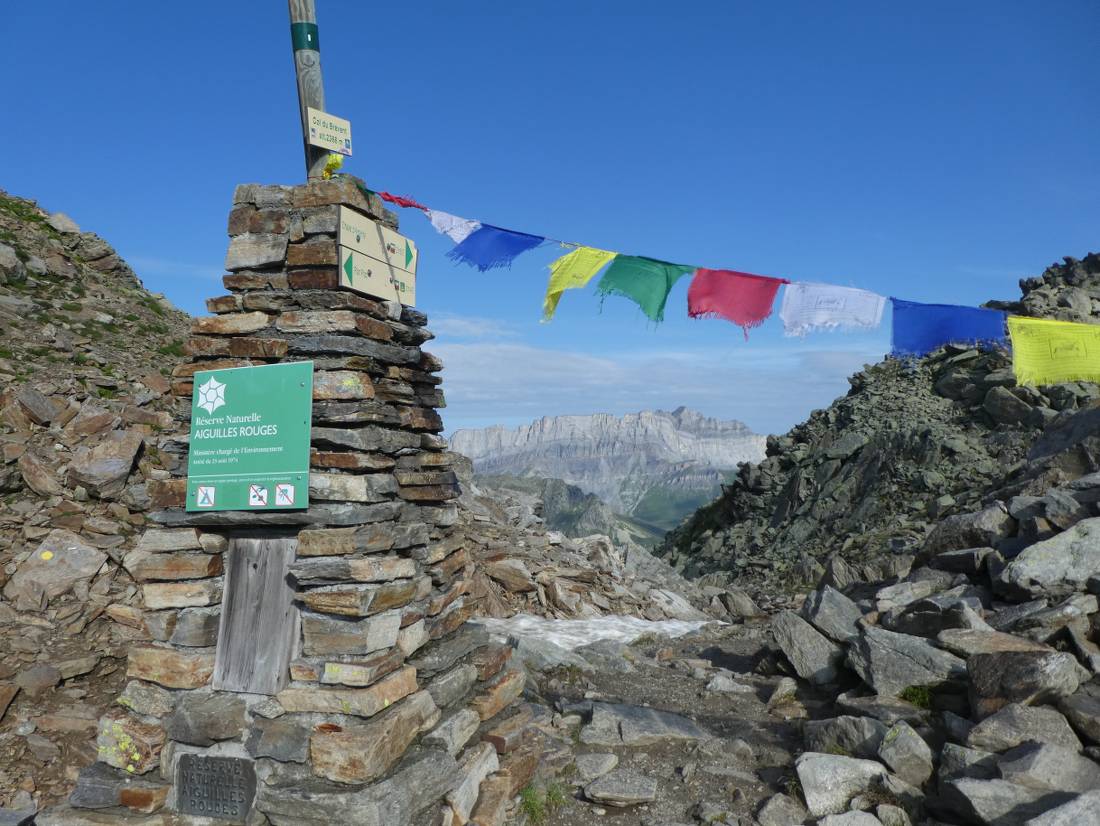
(376, 260)
(249, 446)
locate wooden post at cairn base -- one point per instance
(307, 68)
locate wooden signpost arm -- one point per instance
(307, 67)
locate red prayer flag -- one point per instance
(401, 201)
(740, 297)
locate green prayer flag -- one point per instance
(645, 281)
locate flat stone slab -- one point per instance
(622, 788)
(624, 725)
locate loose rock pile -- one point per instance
(977, 700)
(913, 442)
(85, 354)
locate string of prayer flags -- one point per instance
(571, 271)
(455, 228)
(918, 329)
(645, 281)
(1045, 351)
(745, 299)
(401, 201)
(807, 307)
(489, 247)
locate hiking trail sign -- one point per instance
(376, 260)
(328, 131)
(249, 447)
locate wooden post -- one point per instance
(307, 67)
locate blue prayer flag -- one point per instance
(488, 247)
(921, 328)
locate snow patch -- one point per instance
(571, 634)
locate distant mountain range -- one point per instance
(656, 467)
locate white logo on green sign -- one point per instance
(211, 395)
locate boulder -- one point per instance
(958, 761)
(829, 781)
(832, 613)
(594, 765)
(1053, 768)
(59, 562)
(1058, 566)
(1083, 712)
(1005, 407)
(984, 528)
(814, 656)
(890, 662)
(1081, 811)
(906, 753)
(103, 470)
(996, 802)
(854, 736)
(1027, 677)
(1015, 724)
(781, 810)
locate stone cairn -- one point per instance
(382, 713)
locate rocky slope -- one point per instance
(85, 352)
(567, 508)
(654, 465)
(913, 442)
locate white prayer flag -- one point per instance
(455, 228)
(808, 307)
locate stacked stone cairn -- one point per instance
(392, 711)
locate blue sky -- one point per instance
(937, 151)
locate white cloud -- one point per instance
(770, 389)
(449, 325)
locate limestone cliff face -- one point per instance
(642, 460)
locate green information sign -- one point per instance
(250, 438)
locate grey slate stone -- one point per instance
(890, 662)
(781, 810)
(1053, 768)
(284, 738)
(202, 719)
(1004, 677)
(1015, 724)
(815, 657)
(857, 736)
(1081, 811)
(997, 802)
(959, 761)
(833, 614)
(906, 753)
(829, 781)
(1058, 566)
(621, 788)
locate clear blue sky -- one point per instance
(937, 151)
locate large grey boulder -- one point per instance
(984, 528)
(856, 736)
(815, 657)
(833, 614)
(1083, 712)
(1015, 724)
(829, 781)
(781, 810)
(1021, 677)
(890, 662)
(1049, 767)
(906, 753)
(1058, 566)
(851, 819)
(614, 724)
(996, 802)
(1081, 811)
(61, 561)
(958, 761)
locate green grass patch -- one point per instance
(173, 349)
(918, 695)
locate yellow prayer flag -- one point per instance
(1045, 351)
(572, 270)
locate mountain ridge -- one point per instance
(621, 459)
